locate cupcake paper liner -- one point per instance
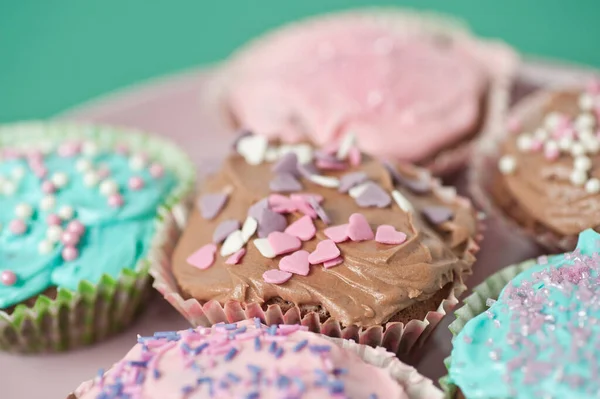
(484, 165)
(475, 304)
(499, 60)
(95, 310)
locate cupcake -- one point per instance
(249, 360)
(539, 336)
(412, 87)
(543, 174)
(327, 238)
(81, 210)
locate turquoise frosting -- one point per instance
(541, 339)
(115, 238)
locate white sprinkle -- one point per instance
(23, 211)
(507, 165)
(9, 188)
(83, 165)
(592, 186)
(48, 202)
(18, 172)
(489, 302)
(578, 177)
(524, 142)
(582, 163)
(592, 146)
(356, 191)
(402, 202)
(584, 121)
(586, 134)
(137, 162)
(54, 233)
(66, 212)
(60, 179)
(272, 154)
(345, 146)
(550, 146)
(265, 249)
(446, 193)
(45, 247)
(253, 149)
(577, 149)
(541, 134)
(108, 187)
(565, 144)
(325, 181)
(552, 120)
(233, 243)
(586, 102)
(89, 149)
(249, 228)
(304, 153)
(90, 179)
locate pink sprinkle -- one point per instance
(40, 172)
(136, 183)
(333, 262)
(236, 257)
(337, 233)
(303, 228)
(17, 227)
(305, 196)
(53, 220)
(330, 165)
(69, 149)
(359, 229)
(48, 187)
(70, 253)
(513, 125)
(389, 235)
(8, 277)
(536, 145)
(281, 204)
(76, 227)
(551, 154)
(283, 243)
(116, 201)
(276, 276)
(355, 156)
(70, 239)
(326, 250)
(305, 208)
(156, 170)
(204, 257)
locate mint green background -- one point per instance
(57, 53)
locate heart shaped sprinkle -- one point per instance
(346, 145)
(285, 182)
(252, 148)
(249, 228)
(355, 156)
(325, 181)
(288, 163)
(359, 229)
(211, 204)
(224, 229)
(296, 263)
(275, 276)
(350, 180)
(357, 190)
(419, 186)
(283, 243)
(304, 207)
(306, 196)
(331, 164)
(337, 233)
(319, 210)
(303, 228)
(387, 234)
(326, 250)
(281, 204)
(402, 202)
(233, 243)
(307, 170)
(256, 209)
(334, 262)
(204, 257)
(437, 214)
(236, 257)
(269, 222)
(374, 195)
(263, 246)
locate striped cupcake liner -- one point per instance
(96, 310)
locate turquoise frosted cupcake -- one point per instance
(84, 210)
(539, 338)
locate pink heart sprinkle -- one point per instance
(303, 228)
(354, 156)
(359, 229)
(387, 234)
(275, 276)
(326, 250)
(334, 262)
(337, 233)
(204, 257)
(305, 208)
(236, 257)
(296, 263)
(283, 243)
(306, 196)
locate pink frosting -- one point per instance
(404, 97)
(291, 362)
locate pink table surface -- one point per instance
(173, 107)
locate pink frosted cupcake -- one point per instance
(411, 87)
(251, 361)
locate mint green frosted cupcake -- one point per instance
(84, 211)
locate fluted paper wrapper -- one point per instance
(476, 303)
(96, 310)
(484, 169)
(499, 61)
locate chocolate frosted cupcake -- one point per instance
(248, 360)
(413, 87)
(531, 330)
(327, 238)
(81, 209)
(545, 175)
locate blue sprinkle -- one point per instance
(252, 395)
(187, 389)
(283, 382)
(273, 347)
(320, 348)
(278, 352)
(203, 380)
(240, 330)
(257, 344)
(186, 348)
(231, 326)
(223, 384)
(336, 386)
(138, 364)
(272, 330)
(144, 339)
(230, 355)
(255, 370)
(338, 372)
(257, 323)
(100, 373)
(300, 345)
(140, 378)
(162, 334)
(200, 348)
(233, 377)
(300, 384)
(156, 374)
(372, 396)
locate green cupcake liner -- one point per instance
(98, 310)
(475, 304)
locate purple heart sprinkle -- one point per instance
(223, 230)
(285, 183)
(269, 222)
(417, 186)
(319, 210)
(350, 180)
(307, 170)
(286, 164)
(437, 214)
(211, 204)
(373, 195)
(256, 209)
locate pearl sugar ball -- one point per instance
(109, 187)
(582, 163)
(592, 186)
(578, 177)
(507, 165)
(23, 211)
(60, 179)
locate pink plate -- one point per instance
(173, 107)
